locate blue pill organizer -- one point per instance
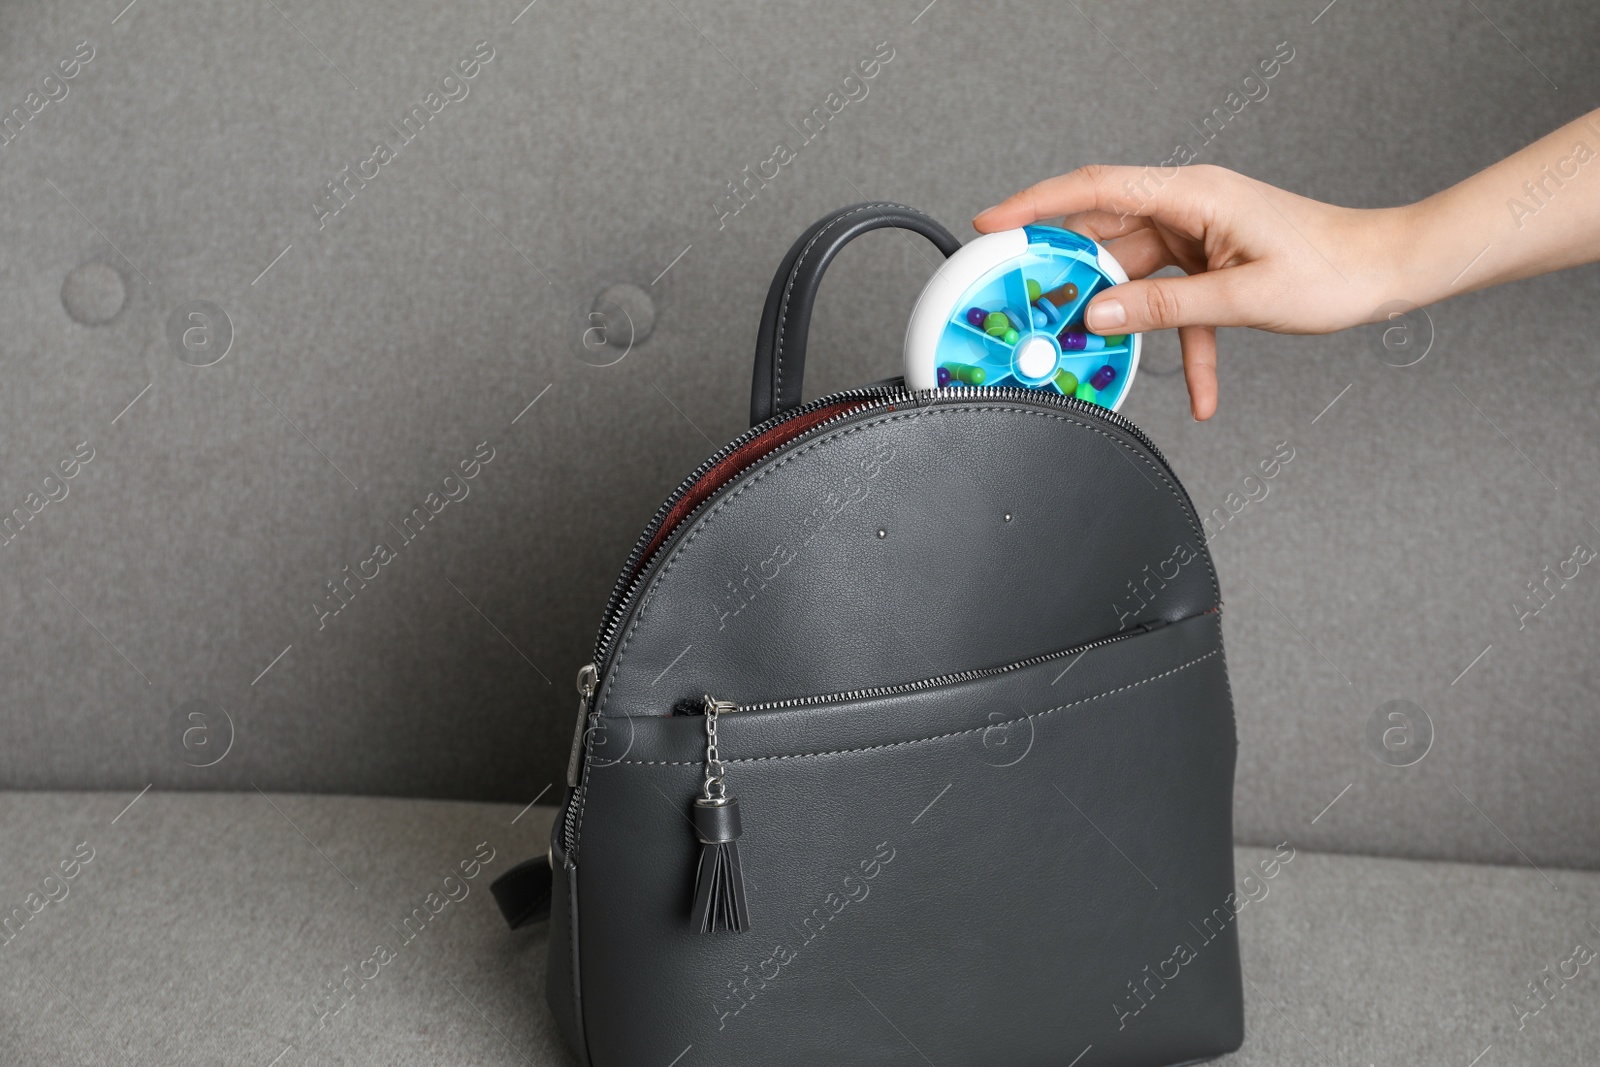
(1007, 310)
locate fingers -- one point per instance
(1103, 226)
(1068, 194)
(1141, 253)
(1200, 369)
(1120, 191)
(1207, 299)
(1140, 211)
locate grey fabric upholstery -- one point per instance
(374, 349)
(446, 313)
(206, 928)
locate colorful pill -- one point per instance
(1086, 391)
(1033, 290)
(1055, 303)
(965, 373)
(1010, 337)
(1078, 341)
(1116, 339)
(944, 377)
(1040, 319)
(1062, 295)
(1067, 382)
(975, 317)
(996, 323)
(1016, 323)
(1103, 377)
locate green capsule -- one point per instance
(1010, 336)
(966, 373)
(1119, 339)
(1067, 382)
(995, 323)
(1033, 290)
(1086, 392)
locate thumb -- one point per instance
(1205, 299)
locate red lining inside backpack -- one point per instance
(739, 459)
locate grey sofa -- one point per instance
(480, 282)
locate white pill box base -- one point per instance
(977, 263)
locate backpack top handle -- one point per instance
(786, 319)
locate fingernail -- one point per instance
(1106, 314)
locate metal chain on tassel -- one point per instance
(719, 901)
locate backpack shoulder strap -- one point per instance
(523, 892)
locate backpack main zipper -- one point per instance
(637, 569)
(637, 563)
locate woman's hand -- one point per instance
(1254, 254)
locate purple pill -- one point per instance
(975, 317)
(1103, 377)
(1073, 341)
(944, 373)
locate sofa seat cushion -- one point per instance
(243, 928)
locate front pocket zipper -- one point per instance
(954, 678)
(586, 714)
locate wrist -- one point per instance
(1405, 256)
(1421, 266)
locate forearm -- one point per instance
(1535, 211)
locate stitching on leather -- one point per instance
(831, 438)
(936, 737)
(1227, 683)
(572, 959)
(783, 307)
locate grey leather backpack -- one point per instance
(908, 739)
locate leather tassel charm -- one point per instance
(719, 901)
(719, 883)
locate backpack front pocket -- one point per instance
(999, 867)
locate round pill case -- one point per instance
(1008, 310)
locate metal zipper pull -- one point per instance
(588, 677)
(719, 882)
